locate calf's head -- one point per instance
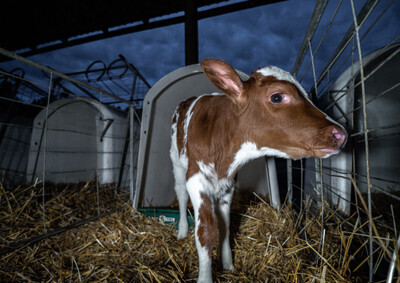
(273, 111)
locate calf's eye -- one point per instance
(276, 98)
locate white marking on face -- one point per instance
(286, 76)
(249, 151)
(283, 76)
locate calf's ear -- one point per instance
(224, 77)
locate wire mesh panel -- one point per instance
(68, 146)
(353, 77)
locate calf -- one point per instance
(213, 135)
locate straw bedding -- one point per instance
(126, 246)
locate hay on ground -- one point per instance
(127, 246)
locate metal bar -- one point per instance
(24, 82)
(375, 97)
(97, 148)
(134, 70)
(290, 180)
(383, 49)
(273, 183)
(21, 102)
(125, 150)
(191, 33)
(364, 35)
(315, 97)
(131, 155)
(318, 162)
(301, 185)
(362, 16)
(376, 20)
(380, 189)
(386, 193)
(44, 153)
(51, 71)
(85, 91)
(133, 87)
(323, 37)
(389, 127)
(350, 89)
(362, 79)
(230, 8)
(312, 27)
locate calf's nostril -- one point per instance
(340, 135)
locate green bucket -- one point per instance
(167, 216)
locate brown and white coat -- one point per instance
(213, 135)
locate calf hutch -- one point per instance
(343, 101)
(155, 180)
(81, 140)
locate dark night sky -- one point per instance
(266, 35)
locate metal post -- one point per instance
(362, 17)
(44, 152)
(318, 162)
(312, 27)
(290, 181)
(301, 185)
(191, 33)
(131, 154)
(58, 74)
(273, 183)
(362, 78)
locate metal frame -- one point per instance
(352, 36)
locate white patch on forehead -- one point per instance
(286, 76)
(249, 151)
(283, 76)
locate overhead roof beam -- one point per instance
(191, 33)
(146, 25)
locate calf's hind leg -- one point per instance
(223, 213)
(205, 226)
(182, 195)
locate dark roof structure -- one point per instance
(32, 27)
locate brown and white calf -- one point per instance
(213, 135)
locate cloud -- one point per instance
(267, 35)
